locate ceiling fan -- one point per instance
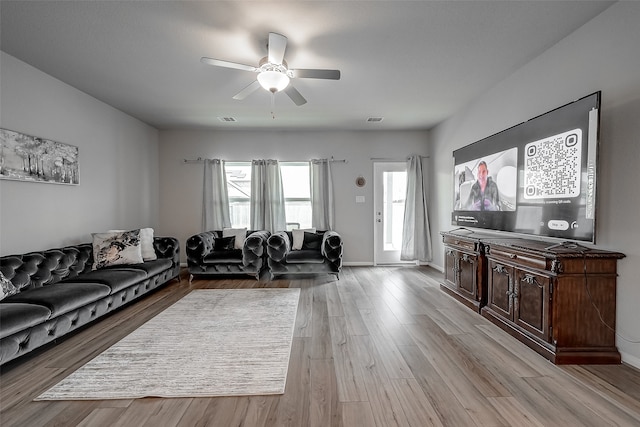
(273, 72)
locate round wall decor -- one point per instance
(360, 181)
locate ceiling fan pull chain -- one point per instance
(273, 105)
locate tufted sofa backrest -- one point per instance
(36, 269)
(201, 244)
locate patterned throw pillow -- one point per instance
(6, 287)
(146, 243)
(116, 248)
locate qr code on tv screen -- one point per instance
(552, 166)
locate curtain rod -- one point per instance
(387, 159)
(200, 160)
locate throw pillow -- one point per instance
(224, 243)
(312, 241)
(6, 287)
(239, 233)
(146, 243)
(116, 249)
(298, 237)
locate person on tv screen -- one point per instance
(484, 192)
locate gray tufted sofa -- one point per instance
(59, 292)
(204, 259)
(325, 259)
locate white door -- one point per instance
(389, 192)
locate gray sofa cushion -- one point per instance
(116, 278)
(151, 267)
(17, 316)
(224, 257)
(62, 297)
(305, 257)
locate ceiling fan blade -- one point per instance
(227, 64)
(277, 46)
(316, 74)
(295, 96)
(247, 91)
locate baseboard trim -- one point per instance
(437, 267)
(629, 359)
(408, 264)
(365, 264)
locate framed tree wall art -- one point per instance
(33, 159)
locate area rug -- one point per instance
(211, 343)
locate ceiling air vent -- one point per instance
(227, 119)
(374, 119)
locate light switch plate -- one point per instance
(359, 199)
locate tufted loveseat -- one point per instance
(204, 257)
(59, 292)
(326, 258)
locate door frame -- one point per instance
(378, 168)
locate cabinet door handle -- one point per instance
(499, 269)
(530, 279)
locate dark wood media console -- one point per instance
(560, 299)
(465, 268)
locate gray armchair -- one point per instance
(320, 253)
(208, 253)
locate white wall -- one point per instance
(181, 184)
(602, 55)
(118, 164)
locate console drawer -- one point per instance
(459, 243)
(511, 255)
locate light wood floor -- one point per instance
(383, 346)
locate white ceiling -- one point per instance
(415, 63)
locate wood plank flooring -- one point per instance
(382, 346)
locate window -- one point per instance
(239, 189)
(295, 185)
(393, 201)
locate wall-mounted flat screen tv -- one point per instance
(538, 177)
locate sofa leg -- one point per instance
(190, 278)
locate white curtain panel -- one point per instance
(256, 200)
(267, 196)
(416, 237)
(215, 199)
(322, 210)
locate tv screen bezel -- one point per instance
(589, 172)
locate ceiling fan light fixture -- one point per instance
(273, 81)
